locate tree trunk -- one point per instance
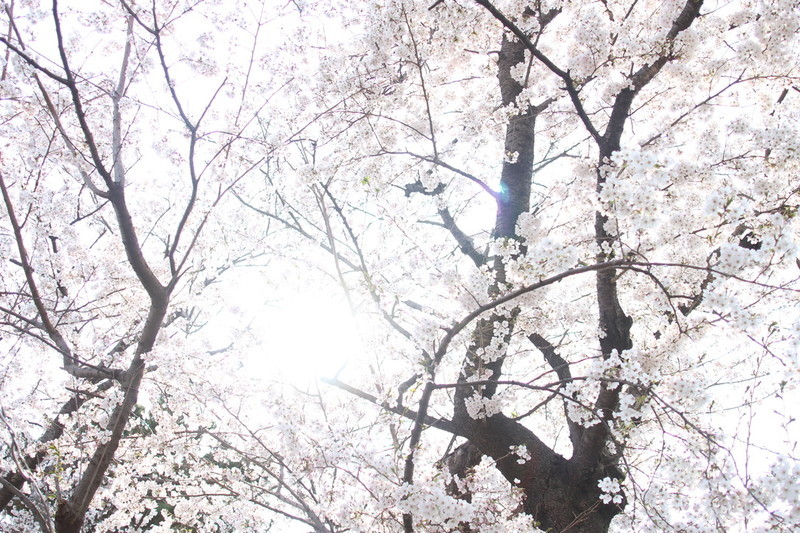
(560, 494)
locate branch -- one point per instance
(27, 502)
(569, 83)
(80, 114)
(156, 31)
(364, 271)
(518, 429)
(464, 241)
(561, 367)
(694, 108)
(69, 360)
(622, 103)
(51, 330)
(71, 513)
(32, 62)
(416, 435)
(53, 431)
(437, 161)
(590, 444)
(116, 117)
(300, 501)
(299, 229)
(464, 322)
(425, 97)
(48, 101)
(332, 243)
(438, 423)
(42, 516)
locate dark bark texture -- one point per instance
(560, 494)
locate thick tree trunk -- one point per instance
(560, 494)
(515, 182)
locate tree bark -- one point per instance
(560, 494)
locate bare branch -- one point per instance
(116, 120)
(464, 241)
(438, 423)
(419, 64)
(32, 62)
(561, 367)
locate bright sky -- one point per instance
(300, 332)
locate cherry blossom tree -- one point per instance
(122, 134)
(566, 232)
(641, 258)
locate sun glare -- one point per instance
(302, 335)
